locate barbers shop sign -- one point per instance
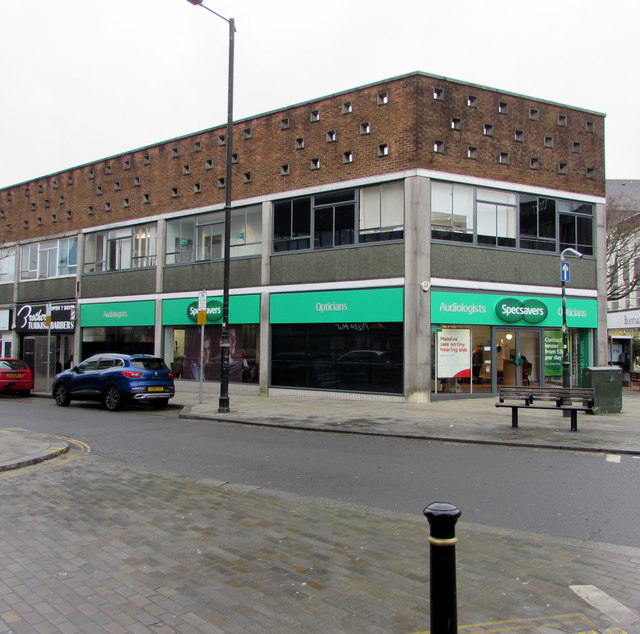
(32, 318)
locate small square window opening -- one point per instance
(331, 136)
(300, 143)
(383, 149)
(503, 107)
(284, 170)
(285, 124)
(472, 101)
(438, 146)
(314, 115)
(383, 98)
(518, 135)
(487, 130)
(347, 157)
(314, 164)
(438, 93)
(365, 128)
(347, 107)
(534, 114)
(456, 124)
(503, 158)
(562, 120)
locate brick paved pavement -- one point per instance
(87, 545)
(90, 546)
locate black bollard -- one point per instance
(442, 524)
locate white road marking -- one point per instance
(612, 457)
(609, 606)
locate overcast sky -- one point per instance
(82, 79)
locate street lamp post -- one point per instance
(223, 402)
(566, 371)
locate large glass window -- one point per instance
(489, 217)
(576, 226)
(359, 357)
(201, 238)
(382, 212)
(120, 249)
(53, 258)
(496, 220)
(243, 353)
(452, 212)
(7, 264)
(332, 219)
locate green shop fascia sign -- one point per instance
(109, 314)
(496, 310)
(243, 309)
(330, 307)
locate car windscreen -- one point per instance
(11, 364)
(149, 364)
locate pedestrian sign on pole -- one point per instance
(565, 272)
(47, 316)
(202, 308)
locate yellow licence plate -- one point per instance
(155, 389)
(13, 375)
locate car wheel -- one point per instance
(112, 399)
(61, 394)
(161, 403)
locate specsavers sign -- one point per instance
(243, 309)
(495, 310)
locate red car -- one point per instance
(15, 376)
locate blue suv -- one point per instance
(115, 379)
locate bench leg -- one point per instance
(574, 420)
(514, 417)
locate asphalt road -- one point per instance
(570, 494)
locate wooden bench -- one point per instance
(567, 399)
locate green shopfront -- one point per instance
(341, 340)
(126, 327)
(182, 336)
(481, 341)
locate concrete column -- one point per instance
(265, 279)
(161, 249)
(601, 273)
(417, 276)
(77, 333)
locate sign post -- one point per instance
(47, 323)
(565, 276)
(202, 320)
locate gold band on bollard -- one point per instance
(436, 541)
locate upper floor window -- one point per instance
(53, 258)
(340, 218)
(7, 264)
(499, 218)
(201, 238)
(120, 249)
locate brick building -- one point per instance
(398, 240)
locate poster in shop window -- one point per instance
(454, 353)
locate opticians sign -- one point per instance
(495, 310)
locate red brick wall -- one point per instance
(408, 124)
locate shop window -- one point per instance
(360, 357)
(243, 353)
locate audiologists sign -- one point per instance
(495, 310)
